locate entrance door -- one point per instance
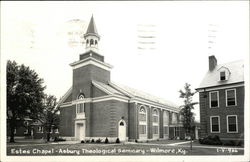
(122, 130)
(80, 131)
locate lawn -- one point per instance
(116, 149)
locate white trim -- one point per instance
(220, 87)
(153, 104)
(217, 99)
(211, 124)
(65, 96)
(234, 89)
(91, 61)
(101, 88)
(236, 124)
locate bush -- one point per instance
(211, 140)
(82, 141)
(106, 140)
(93, 140)
(57, 139)
(117, 140)
(232, 143)
(87, 141)
(98, 141)
(136, 141)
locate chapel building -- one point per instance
(95, 107)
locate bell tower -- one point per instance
(90, 66)
(92, 37)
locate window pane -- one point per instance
(165, 130)
(155, 119)
(214, 99)
(231, 98)
(142, 129)
(222, 75)
(232, 124)
(165, 118)
(142, 117)
(155, 129)
(215, 124)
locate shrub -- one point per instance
(136, 141)
(117, 140)
(98, 141)
(87, 141)
(82, 141)
(232, 143)
(93, 140)
(211, 140)
(57, 139)
(106, 140)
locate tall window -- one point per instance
(215, 124)
(214, 99)
(232, 124)
(155, 122)
(80, 106)
(143, 121)
(165, 122)
(231, 97)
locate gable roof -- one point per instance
(236, 75)
(131, 92)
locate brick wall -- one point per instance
(105, 117)
(83, 76)
(67, 123)
(222, 111)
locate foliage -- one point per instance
(186, 109)
(98, 140)
(24, 95)
(57, 139)
(82, 141)
(93, 140)
(106, 140)
(117, 140)
(211, 140)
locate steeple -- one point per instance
(92, 37)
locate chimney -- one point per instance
(212, 62)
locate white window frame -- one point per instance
(225, 75)
(143, 122)
(211, 124)
(217, 98)
(235, 95)
(236, 124)
(156, 123)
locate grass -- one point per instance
(115, 149)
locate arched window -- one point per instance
(143, 121)
(155, 123)
(91, 41)
(95, 42)
(87, 41)
(80, 106)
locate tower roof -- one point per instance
(92, 30)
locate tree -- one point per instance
(186, 110)
(24, 95)
(50, 117)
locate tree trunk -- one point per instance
(48, 134)
(12, 129)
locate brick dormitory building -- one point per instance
(95, 107)
(221, 95)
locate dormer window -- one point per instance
(222, 75)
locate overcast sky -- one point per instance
(184, 34)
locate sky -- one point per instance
(47, 36)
